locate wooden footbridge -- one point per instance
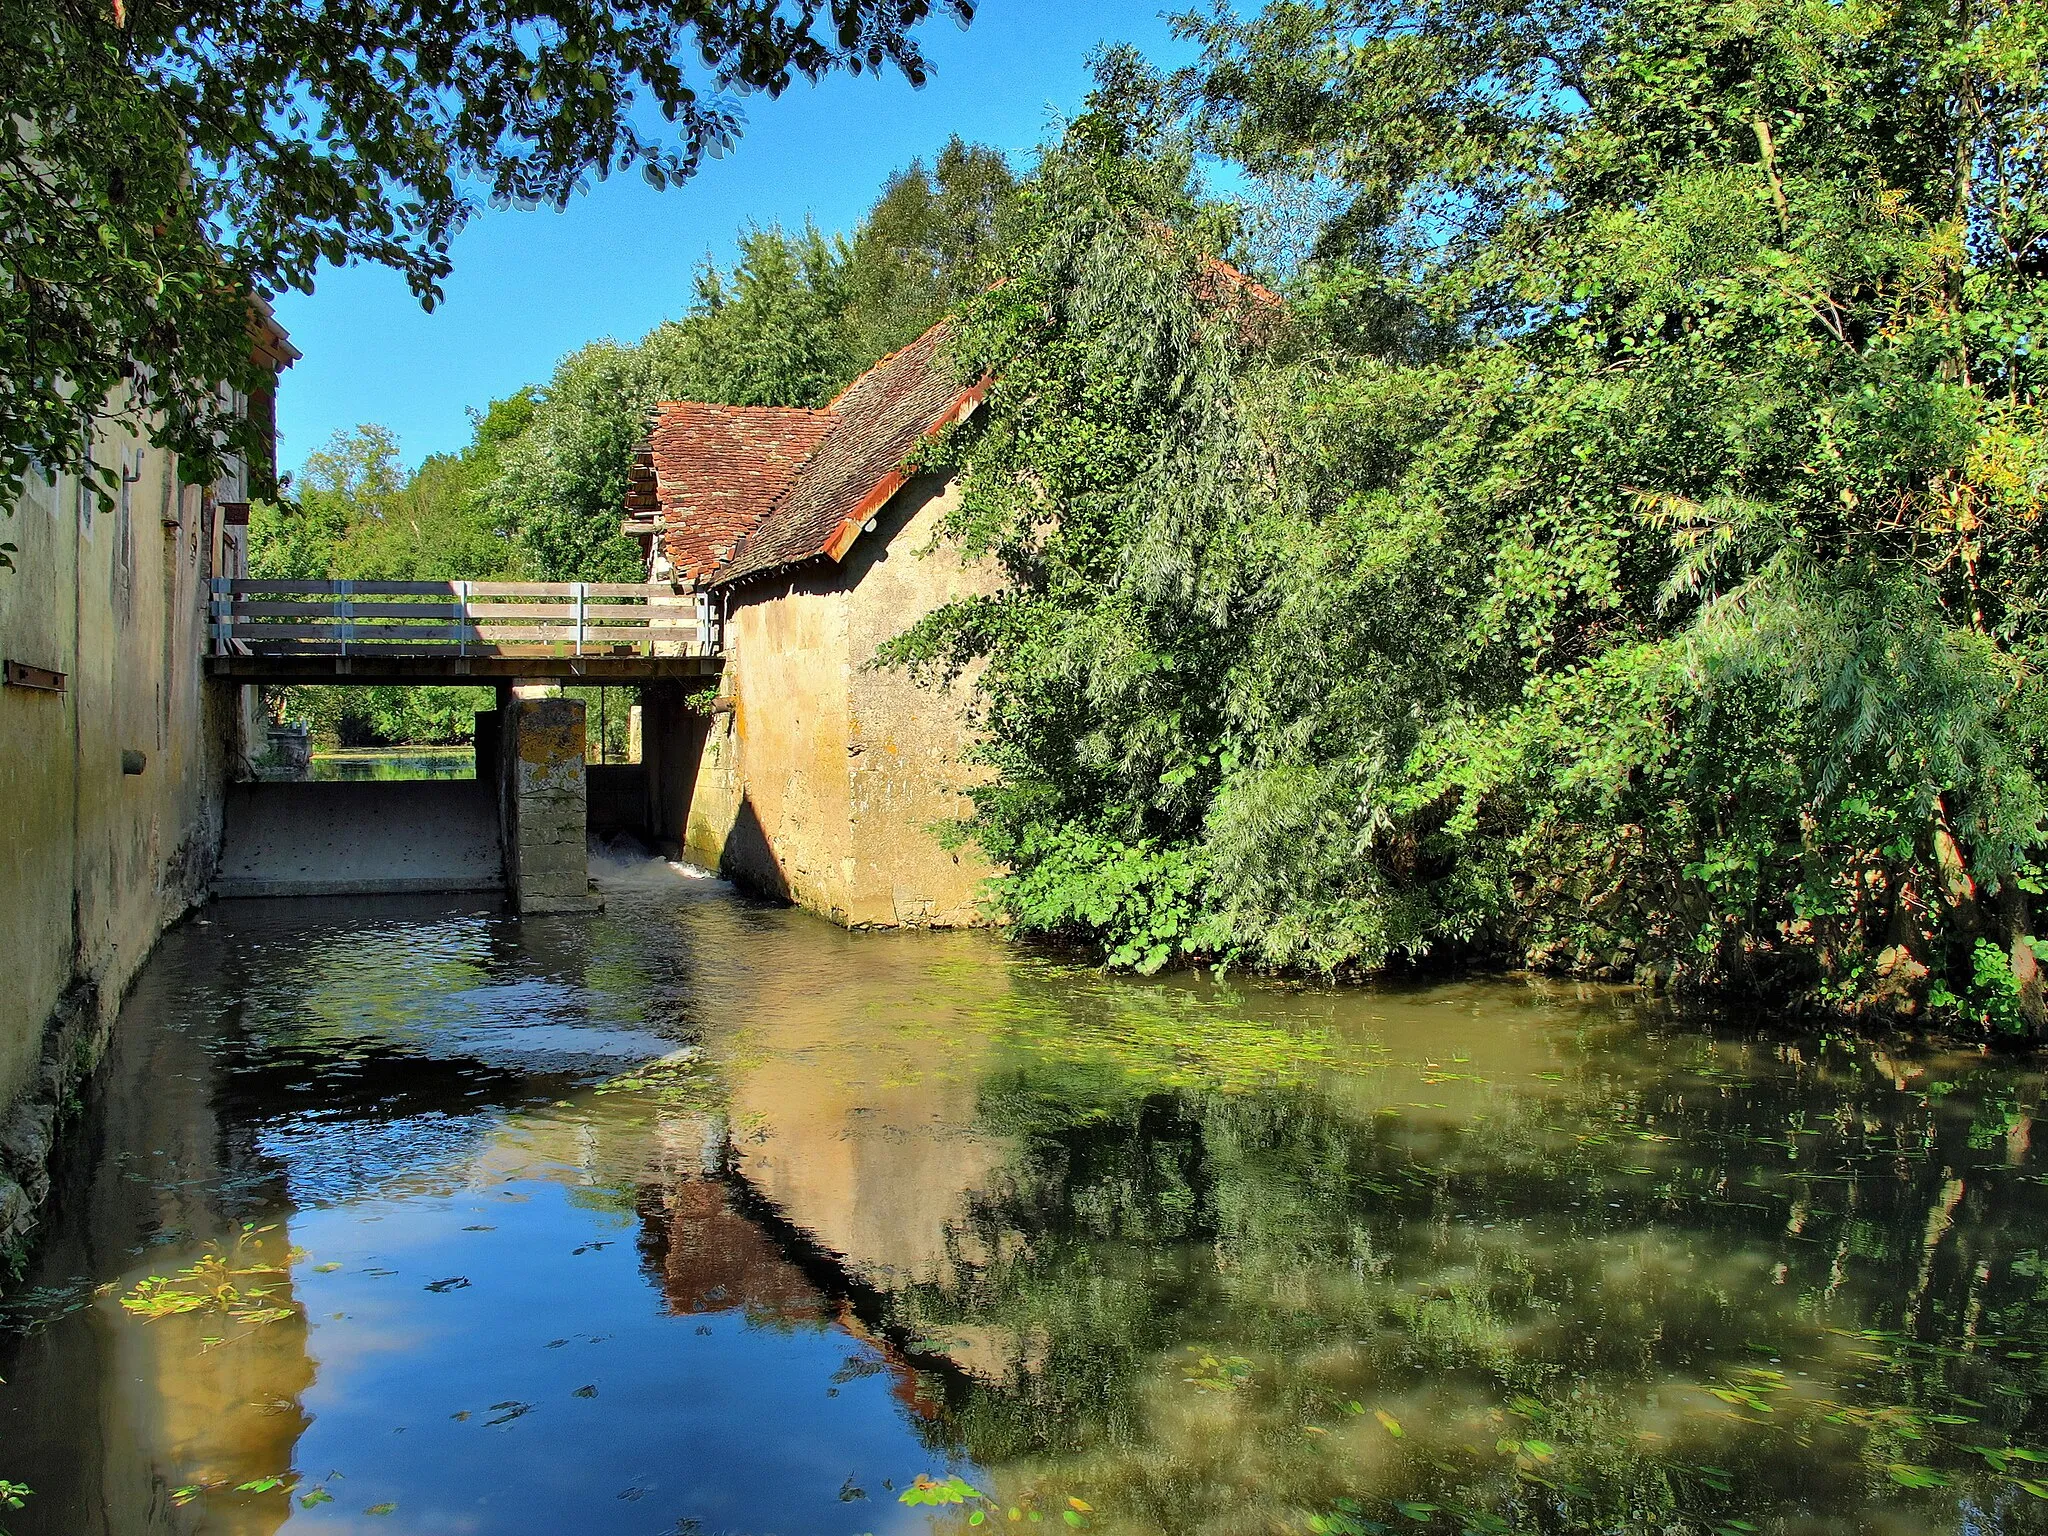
(521, 824)
(457, 631)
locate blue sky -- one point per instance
(529, 286)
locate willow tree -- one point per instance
(1739, 480)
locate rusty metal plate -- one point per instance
(21, 675)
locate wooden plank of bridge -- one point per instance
(565, 590)
(392, 633)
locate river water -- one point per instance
(705, 1216)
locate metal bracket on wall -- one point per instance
(21, 675)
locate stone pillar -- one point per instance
(542, 805)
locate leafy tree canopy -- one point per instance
(1626, 552)
(162, 160)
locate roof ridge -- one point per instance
(943, 320)
(775, 410)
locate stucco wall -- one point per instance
(822, 779)
(94, 862)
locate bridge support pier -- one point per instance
(542, 805)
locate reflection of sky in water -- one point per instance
(327, 1160)
(704, 1416)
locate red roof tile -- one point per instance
(876, 422)
(714, 471)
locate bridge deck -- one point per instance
(368, 666)
(446, 631)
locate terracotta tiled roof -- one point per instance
(876, 422)
(743, 491)
(714, 471)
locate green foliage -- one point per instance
(387, 715)
(232, 1281)
(793, 322)
(102, 237)
(926, 1490)
(562, 481)
(160, 163)
(1138, 901)
(922, 249)
(358, 516)
(13, 1496)
(1619, 549)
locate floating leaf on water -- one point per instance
(1224, 1373)
(326, 1269)
(589, 1391)
(317, 1497)
(382, 1509)
(1915, 1477)
(925, 1490)
(258, 1485)
(1389, 1423)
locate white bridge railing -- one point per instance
(456, 618)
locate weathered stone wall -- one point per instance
(95, 861)
(827, 781)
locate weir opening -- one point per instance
(521, 824)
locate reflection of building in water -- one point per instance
(707, 1257)
(709, 1254)
(107, 1421)
(216, 1416)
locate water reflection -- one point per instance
(707, 1216)
(393, 763)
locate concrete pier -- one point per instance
(543, 806)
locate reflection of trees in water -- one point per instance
(1568, 1270)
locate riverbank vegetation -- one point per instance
(1619, 547)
